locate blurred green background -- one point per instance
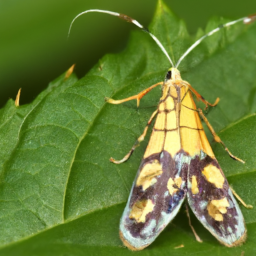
(33, 35)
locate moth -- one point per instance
(178, 163)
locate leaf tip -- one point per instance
(70, 71)
(162, 7)
(179, 246)
(17, 100)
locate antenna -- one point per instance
(246, 20)
(128, 19)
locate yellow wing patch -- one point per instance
(194, 186)
(216, 208)
(140, 210)
(174, 185)
(214, 176)
(148, 174)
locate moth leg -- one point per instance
(200, 97)
(216, 137)
(137, 143)
(135, 97)
(198, 239)
(248, 206)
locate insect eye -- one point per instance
(169, 75)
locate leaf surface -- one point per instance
(59, 194)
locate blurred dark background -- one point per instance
(33, 35)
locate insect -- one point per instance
(178, 163)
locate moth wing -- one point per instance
(156, 197)
(212, 201)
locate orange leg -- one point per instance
(137, 96)
(216, 137)
(137, 143)
(200, 97)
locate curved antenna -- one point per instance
(128, 19)
(246, 20)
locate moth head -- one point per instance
(173, 74)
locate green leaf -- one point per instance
(59, 193)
